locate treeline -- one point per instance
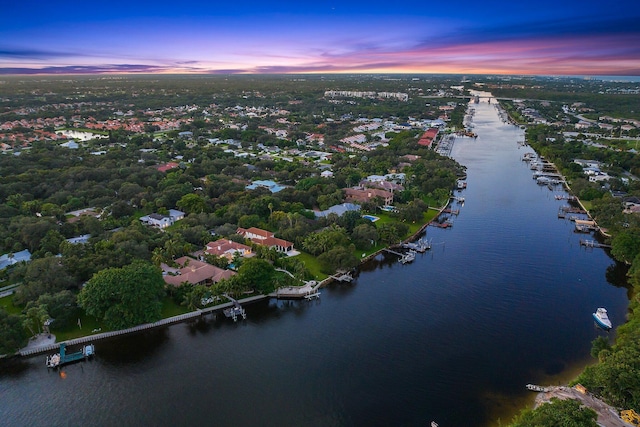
(40, 187)
(616, 376)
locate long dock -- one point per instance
(593, 244)
(308, 291)
(139, 328)
(342, 277)
(391, 251)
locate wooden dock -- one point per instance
(235, 310)
(342, 276)
(308, 291)
(391, 251)
(572, 209)
(445, 224)
(593, 244)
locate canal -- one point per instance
(503, 298)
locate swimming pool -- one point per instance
(370, 218)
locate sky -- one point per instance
(559, 37)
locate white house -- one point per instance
(71, 144)
(13, 258)
(162, 221)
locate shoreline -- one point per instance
(41, 343)
(607, 415)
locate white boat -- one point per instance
(408, 257)
(602, 319)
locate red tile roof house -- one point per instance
(227, 248)
(427, 138)
(196, 273)
(265, 238)
(167, 166)
(362, 195)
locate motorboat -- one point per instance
(602, 319)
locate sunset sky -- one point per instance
(465, 37)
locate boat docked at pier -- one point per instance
(420, 246)
(62, 358)
(408, 257)
(602, 319)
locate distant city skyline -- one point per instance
(465, 37)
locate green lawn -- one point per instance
(386, 218)
(89, 325)
(7, 304)
(170, 308)
(312, 264)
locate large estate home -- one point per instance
(162, 221)
(265, 238)
(362, 195)
(194, 272)
(228, 249)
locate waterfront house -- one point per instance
(265, 238)
(194, 272)
(428, 137)
(363, 195)
(338, 210)
(228, 249)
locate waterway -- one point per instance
(503, 298)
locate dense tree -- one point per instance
(41, 276)
(338, 258)
(61, 307)
(364, 236)
(322, 241)
(12, 333)
(566, 413)
(626, 245)
(256, 273)
(392, 233)
(192, 203)
(413, 211)
(124, 297)
(598, 345)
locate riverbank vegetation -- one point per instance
(196, 145)
(609, 199)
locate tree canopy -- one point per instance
(12, 335)
(566, 413)
(124, 297)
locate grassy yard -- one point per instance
(7, 304)
(89, 325)
(170, 308)
(312, 264)
(384, 218)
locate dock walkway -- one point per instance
(593, 244)
(28, 351)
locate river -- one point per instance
(503, 298)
